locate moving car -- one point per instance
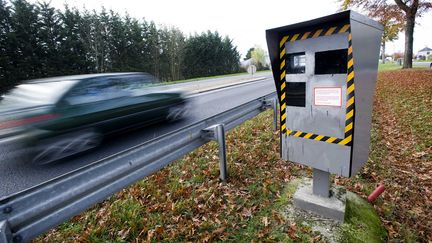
(61, 116)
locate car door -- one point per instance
(94, 103)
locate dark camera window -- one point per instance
(296, 94)
(331, 62)
(296, 62)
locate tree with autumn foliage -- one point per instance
(394, 15)
(392, 20)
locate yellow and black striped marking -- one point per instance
(350, 105)
(317, 137)
(282, 85)
(314, 34)
(349, 118)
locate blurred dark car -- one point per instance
(61, 116)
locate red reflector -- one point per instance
(25, 121)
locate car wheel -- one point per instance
(177, 112)
(54, 149)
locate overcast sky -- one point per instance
(244, 21)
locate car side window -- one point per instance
(96, 89)
(135, 82)
(115, 87)
(131, 82)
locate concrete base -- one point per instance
(332, 207)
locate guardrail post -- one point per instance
(5, 232)
(272, 103)
(217, 133)
(274, 106)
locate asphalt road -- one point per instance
(422, 64)
(16, 176)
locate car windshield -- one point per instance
(42, 93)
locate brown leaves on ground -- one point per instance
(187, 202)
(401, 154)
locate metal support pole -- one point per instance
(217, 133)
(272, 103)
(275, 113)
(5, 232)
(220, 137)
(321, 183)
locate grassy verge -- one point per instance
(388, 66)
(209, 77)
(391, 66)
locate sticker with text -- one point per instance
(329, 96)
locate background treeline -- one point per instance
(37, 41)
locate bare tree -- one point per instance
(412, 9)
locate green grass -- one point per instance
(388, 66)
(362, 224)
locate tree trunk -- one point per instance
(409, 39)
(383, 56)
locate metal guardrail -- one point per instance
(30, 213)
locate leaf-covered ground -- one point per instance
(401, 154)
(186, 201)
